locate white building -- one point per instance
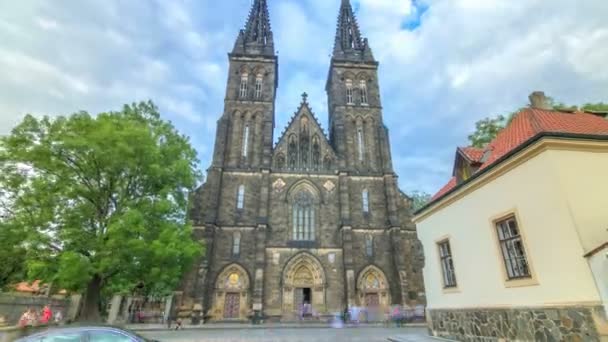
(516, 242)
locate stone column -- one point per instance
(260, 261)
(399, 262)
(349, 272)
(114, 309)
(390, 188)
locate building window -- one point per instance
(363, 89)
(240, 198)
(447, 264)
(349, 92)
(365, 198)
(258, 87)
(304, 217)
(369, 245)
(360, 143)
(512, 248)
(245, 141)
(243, 88)
(236, 244)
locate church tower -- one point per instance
(355, 109)
(244, 135)
(245, 130)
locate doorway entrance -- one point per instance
(232, 305)
(303, 300)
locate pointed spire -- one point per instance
(349, 44)
(256, 37)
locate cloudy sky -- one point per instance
(444, 63)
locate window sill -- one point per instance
(448, 290)
(521, 282)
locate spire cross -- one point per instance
(304, 97)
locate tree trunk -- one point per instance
(89, 311)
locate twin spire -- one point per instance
(256, 37)
(349, 45)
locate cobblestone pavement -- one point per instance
(292, 335)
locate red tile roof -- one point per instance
(526, 125)
(474, 154)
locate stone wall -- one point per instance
(520, 324)
(13, 306)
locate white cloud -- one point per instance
(468, 59)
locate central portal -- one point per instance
(303, 287)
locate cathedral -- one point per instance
(310, 223)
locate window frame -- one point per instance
(364, 95)
(369, 245)
(304, 220)
(243, 87)
(365, 202)
(259, 84)
(509, 281)
(361, 144)
(444, 262)
(245, 142)
(236, 244)
(350, 100)
(240, 197)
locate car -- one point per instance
(85, 334)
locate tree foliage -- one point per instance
(99, 203)
(419, 199)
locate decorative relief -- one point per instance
(278, 185)
(331, 257)
(329, 186)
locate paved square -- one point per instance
(291, 335)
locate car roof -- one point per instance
(78, 328)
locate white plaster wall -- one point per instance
(552, 243)
(599, 267)
(582, 175)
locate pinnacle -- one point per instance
(256, 38)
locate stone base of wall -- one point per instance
(519, 324)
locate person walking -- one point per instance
(47, 314)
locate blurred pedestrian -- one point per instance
(46, 316)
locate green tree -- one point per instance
(100, 202)
(419, 199)
(596, 107)
(486, 130)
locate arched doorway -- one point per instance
(373, 290)
(303, 286)
(231, 294)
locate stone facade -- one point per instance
(519, 324)
(314, 219)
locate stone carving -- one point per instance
(278, 185)
(329, 186)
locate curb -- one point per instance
(247, 327)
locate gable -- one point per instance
(303, 144)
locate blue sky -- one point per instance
(444, 63)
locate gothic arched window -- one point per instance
(363, 90)
(316, 153)
(327, 163)
(258, 86)
(240, 197)
(349, 92)
(236, 244)
(369, 245)
(304, 216)
(360, 143)
(280, 163)
(245, 141)
(292, 152)
(243, 88)
(365, 201)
